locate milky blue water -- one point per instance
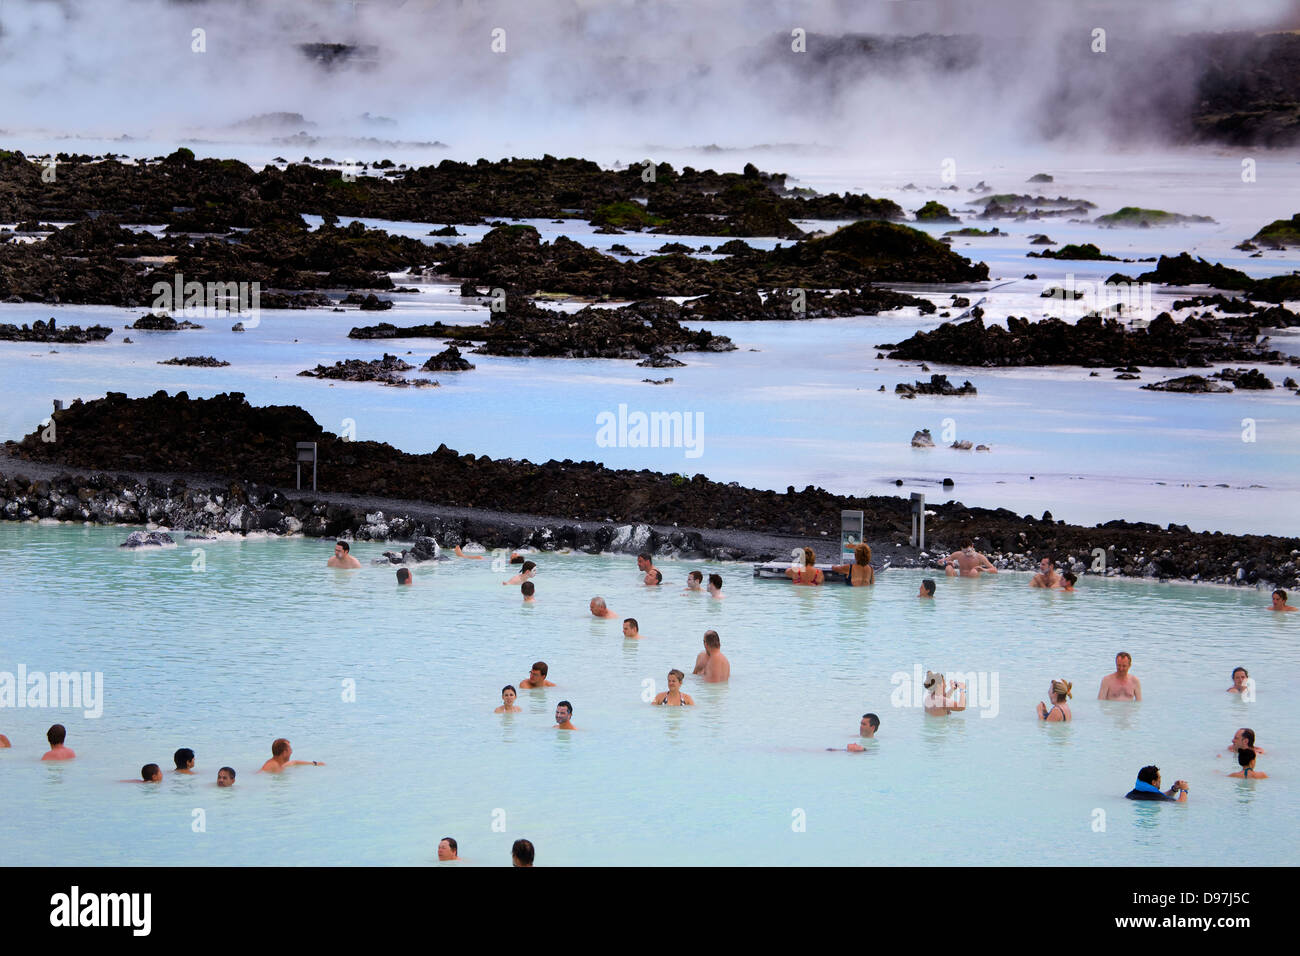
(262, 643)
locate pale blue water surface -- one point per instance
(259, 644)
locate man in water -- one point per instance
(967, 562)
(527, 589)
(536, 677)
(867, 728)
(1147, 787)
(527, 571)
(447, 851)
(1121, 685)
(1243, 739)
(927, 589)
(1240, 681)
(226, 777)
(1046, 576)
(715, 587)
(711, 663)
(653, 578)
(644, 563)
(694, 580)
(56, 735)
(522, 853)
(1279, 601)
(403, 576)
(598, 608)
(184, 760)
(1068, 580)
(631, 630)
(343, 557)
(280, 754)
(563, 713)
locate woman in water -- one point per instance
(673, 696)
(937, 704)
(809, 573)
(1239, 679)
(860, 574)
(1058, 693)
(1246, 757)
(508, 695)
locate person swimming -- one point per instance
(631, 630)
(461, 554)
(149, 773)
(184, 760)
(715, 587)
(281, 751)
(937, 703)
(1058, 693)
(528, 589)
(527, 571)
(508, 695)
(1147, 787)
(1246, 760)
(673, 696)
(599, 609)
(343, 557)
(867, 728)
(927, 589)
(694, 581)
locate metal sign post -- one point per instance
(918, 521)
(307, 453)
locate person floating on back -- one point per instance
(56, 735)
(1121, 685)
(1147, 787)
(343, 557)
(281, 751)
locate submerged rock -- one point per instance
(147, 539)
(922, 439)
(1187, 384)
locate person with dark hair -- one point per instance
(516, 557)
(694, 581)
(149, 773)
(403, 576)
(1240, 680)
(868, 726)
(1147, 787)
(527, 571)
(711, 663)
(226, 777)
(715, 587)
(1121, 685)
(184, 760)
(536, 677)
(653, 578)
(447, 850)
(343, 557)
(1279, 601)
(673, 696)
(968, 563)
(927, 588)
(1047, 577)
(645, 563)
(1243, 738)
(528, 589)
(522, 853)
(508, 695)
(1068, 580)
(631, 630)
(809, 574)
(1246, 760)
(56, 735)
(599, 608)
(563, 715)
(859, 574)
(281, 751)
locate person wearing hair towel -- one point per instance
(1059, 693)
(936, 702)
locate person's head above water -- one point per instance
(644, 562)
(1123, 661)
(630, 627)
(1239, 677)
(1246, 757)
(809, 557)
(1061, 690)
(527, 589)
(522, 853)
(56, 735)
(1150, 775)
(403, 576)
(654, 577)
(862, 554)
(868, 726)
(528, 566)
(927, 588)
(598, 607)
(343, 545)
(934, 683)
(151, 773)
(675, 676)
(695, 579)
(1244, 737)
(711, 639)
(715, 581)
(539, 669)
(447, 849)
(184, 758)
(226, 777)
(563, 712)
(968, 545)
(280, 748)
(508, 694)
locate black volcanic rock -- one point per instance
(448, 360)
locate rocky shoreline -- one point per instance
(169, 446)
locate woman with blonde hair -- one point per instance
(809, 573)
(937, 702)
(1059, 693)
(860, 574)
